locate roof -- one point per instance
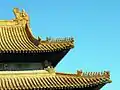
(48, 79)
(16, 37)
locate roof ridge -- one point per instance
(19, 25)
(66, 39)
(105, 74)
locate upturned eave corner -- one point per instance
(22, 18)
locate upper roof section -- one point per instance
(16, 37)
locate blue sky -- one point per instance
(94, 24)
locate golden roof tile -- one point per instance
(16, 37)
(43, 79)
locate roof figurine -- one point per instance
(21, 16)
(28, 63)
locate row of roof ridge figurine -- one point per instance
(50, 69)
(105, 73)
(66, 39)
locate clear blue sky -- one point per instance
(95, 25)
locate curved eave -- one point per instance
(16, 39)
(32, 51)
(49, 80)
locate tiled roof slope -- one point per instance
(14, 38)
(51, 80)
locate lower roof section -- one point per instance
(49, 79)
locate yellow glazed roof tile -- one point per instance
(43, 79)
(16, 37)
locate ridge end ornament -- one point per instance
(21, 17)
